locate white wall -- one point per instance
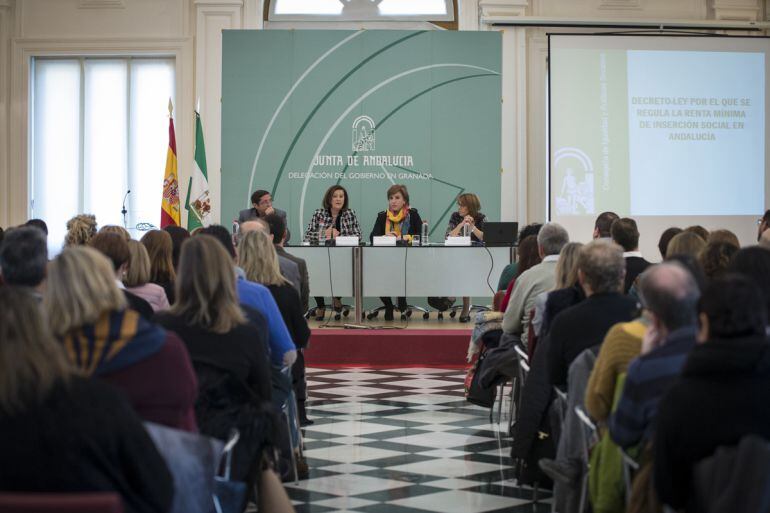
(190, 30)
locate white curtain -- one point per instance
(100, 128)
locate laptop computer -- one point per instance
(501, 234)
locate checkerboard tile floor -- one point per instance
(404, 441)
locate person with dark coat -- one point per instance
(625, 234)
(724, 390)
(402, 221)
(105, 340)
(63, 432)
(601, 270)
(278, 231)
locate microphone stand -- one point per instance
(124, 211)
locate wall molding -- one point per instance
(101, 4)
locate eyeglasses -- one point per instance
(266, 201)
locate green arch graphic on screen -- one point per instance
(304, 110)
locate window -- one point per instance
(362, 10)
(99, 128)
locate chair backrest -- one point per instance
(521, 355)
(97, 502)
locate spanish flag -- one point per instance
(169, 209)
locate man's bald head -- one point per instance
(252, 225)
(669, 291)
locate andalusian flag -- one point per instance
(198, 203)
(169, 206)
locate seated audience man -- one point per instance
(723, 392)
(289, 268)
(277, 227)
(115, 247)
(601, 270)
(763, 223)
(511, 270)
(540, 278)
(669, 295)
(104, 339)
(626, 235)
(23, 258)
(63, 432)
(254, 296)
(603, 225)
(665, 239)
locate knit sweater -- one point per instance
(622, 344)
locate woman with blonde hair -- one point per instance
(137, 277)
(80, 230)
(98, 442)
(104, 339)
(567, 291)
(227, 345)
(160, 249)
(113, 228)
(686, 243)
(257, 258)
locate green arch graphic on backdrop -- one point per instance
(298, 84)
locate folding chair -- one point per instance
(588, 438)
(289, 410)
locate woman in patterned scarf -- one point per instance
(400, 221)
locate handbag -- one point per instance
(474, 392)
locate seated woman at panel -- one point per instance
(105, 340)
(467, 214)
(334, 219)
(227, 344)
(400, 221)
(63, 432)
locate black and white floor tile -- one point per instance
(403, 441)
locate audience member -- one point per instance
(261, 206)
(510, 271)
(257, 258)
(723, 392)
(764, 240)
(23, 258)
(601, 271)
(113, 228)
(665, 240)
(257, 297)
(603, 225)
(566, 291)
(715, 257)
(693, 266)
(227, 345)
(87, 313)
(289, 268)
(754, 263)
(137, 277)
(160, 249)
(698, 230)
(725, 236)
(669, 295)
(39, 224)
(763, 223)
(540, 278)
(277, 227)
(80, 230)
(63, 432)
(528, 256)
(178, 236)
(626, 235)
(686, 243)
(115, 247)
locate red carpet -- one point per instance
(333, 347)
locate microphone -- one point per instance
(124, 211)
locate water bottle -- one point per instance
(321, 234)
(466, 230)
(424, 234)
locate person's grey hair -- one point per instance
(603, 266)
(552, 237)
(24, 256)
(670, 292)
(251, 225)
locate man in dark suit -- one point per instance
(278, 230)
(600, 272)
(626, 235)
(262, 206)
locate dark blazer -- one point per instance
(582, 326)
(84, 437)
(251, 213)
(415, 224)
(557, 301)
(634, 267)
(304, 278)
(722, 396)
(291, 310)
